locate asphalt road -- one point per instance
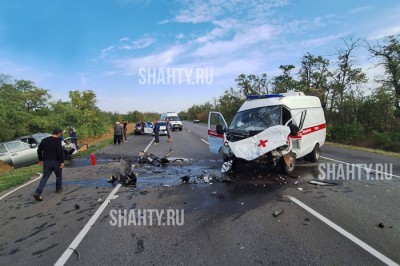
(224, 223)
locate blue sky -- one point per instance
(101, 45)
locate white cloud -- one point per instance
(163, 59)
(379, 34)
(180, 36)
(199, 11)
(240, 41)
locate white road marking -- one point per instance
(148, 146)
(75, 243)
(21, 186)
(345, 233)
(204, 141)
(361, 167)
(78, 239)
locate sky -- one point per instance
(166, 55)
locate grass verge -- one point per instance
(18, 176)
(358, 148)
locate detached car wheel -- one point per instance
(315, 154)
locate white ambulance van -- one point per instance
(279, 128)
(174, 119)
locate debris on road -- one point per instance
(214, 193)
(321, 183)
(77, 206)
(381, 225)
(185, 179)
(99, 200)
(278, 212)
(300, 189)
(144, 192)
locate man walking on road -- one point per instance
(117, 133)
(51, 156)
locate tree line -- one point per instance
(27, 109)
(356, 112)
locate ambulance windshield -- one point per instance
(256, 120)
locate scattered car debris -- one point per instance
(185, 179)
(278, 212)
(77, 206)
(144, 192)
(321, 183)
(214, 193)
(300, 189)
(307, 219)
(381, 225)
(99, 200)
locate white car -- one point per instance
(277, 127)
(17, 153)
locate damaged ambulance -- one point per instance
(274, 128)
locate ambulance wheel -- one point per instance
(288, 163)
(315, 154)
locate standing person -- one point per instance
(156, 130)
(74, 136)
(141, 127)
(169, 130)
(117, 133)
(51, 156)
(125, 129)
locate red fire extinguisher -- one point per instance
(93, 158)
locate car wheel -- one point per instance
(180, 129)
(315, 154)
(288, 163)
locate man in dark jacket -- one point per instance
(51, 156)
(156, 130)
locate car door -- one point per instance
(216, 128)
(22, 154)
(5, 156)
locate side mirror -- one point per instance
(220, 129)
(293, 129)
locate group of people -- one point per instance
(120, 132)
(156, 130)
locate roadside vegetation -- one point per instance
(357, 112)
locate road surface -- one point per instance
(224, 223)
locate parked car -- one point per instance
(147, 128)
(17, 153)
(150, 124)
(196, 121)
